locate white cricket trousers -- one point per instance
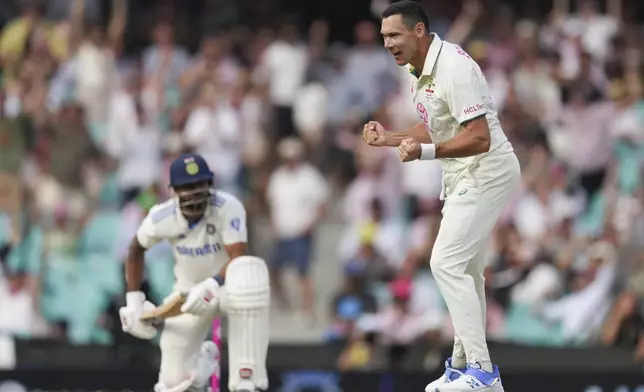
(475, 199)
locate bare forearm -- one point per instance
(461, 147)
(417, 132)
(117, 23)
(468, 143)
(134, 266)
(234, 251)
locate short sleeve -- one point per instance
(234, 216)
(197, 127)
(466, 93)
(147, 234)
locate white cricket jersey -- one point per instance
(199, 251)
(451, 91)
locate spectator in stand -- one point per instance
(297, 196)
(284, 66)
(351, 302)
(65, 160)
(133, 138)
(164, 56)
(17, 139)
(400, 326)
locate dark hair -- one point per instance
(411, 12)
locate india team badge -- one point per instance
(192, 168)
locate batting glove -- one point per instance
(135, 306)
(203, 298)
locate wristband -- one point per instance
(219, 279)
(427, 152)
(134, 299)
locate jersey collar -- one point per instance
(432, 55)
(185, 225)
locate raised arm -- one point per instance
(116, 27)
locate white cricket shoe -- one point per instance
(451, 374)
(474, 380)
(245, 385)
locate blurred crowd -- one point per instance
(87, 131)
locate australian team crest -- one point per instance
(429, 89)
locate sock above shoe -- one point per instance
(458, 363)
(486, 366)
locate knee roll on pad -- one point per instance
(247, 283)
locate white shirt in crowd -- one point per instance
(310, 109)
(582, 313)
(217, 135)
(595, 33)
(536, 89)
(285, 65)
(199, 251)
(295, 197)
(95, 75)
(534, 217)
(136, 146)
(587, 130)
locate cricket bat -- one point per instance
(166, 310)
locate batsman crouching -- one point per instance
(214, 277)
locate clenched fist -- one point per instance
(374, 134)
(409, 150)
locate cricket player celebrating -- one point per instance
(207, 230)
(460, 127)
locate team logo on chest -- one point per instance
(429, 89)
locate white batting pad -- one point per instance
(248, 291)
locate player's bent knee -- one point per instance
(247, 283)
(443, 266)
(182, 331)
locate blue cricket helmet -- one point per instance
(189, 169)
(191, 180)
